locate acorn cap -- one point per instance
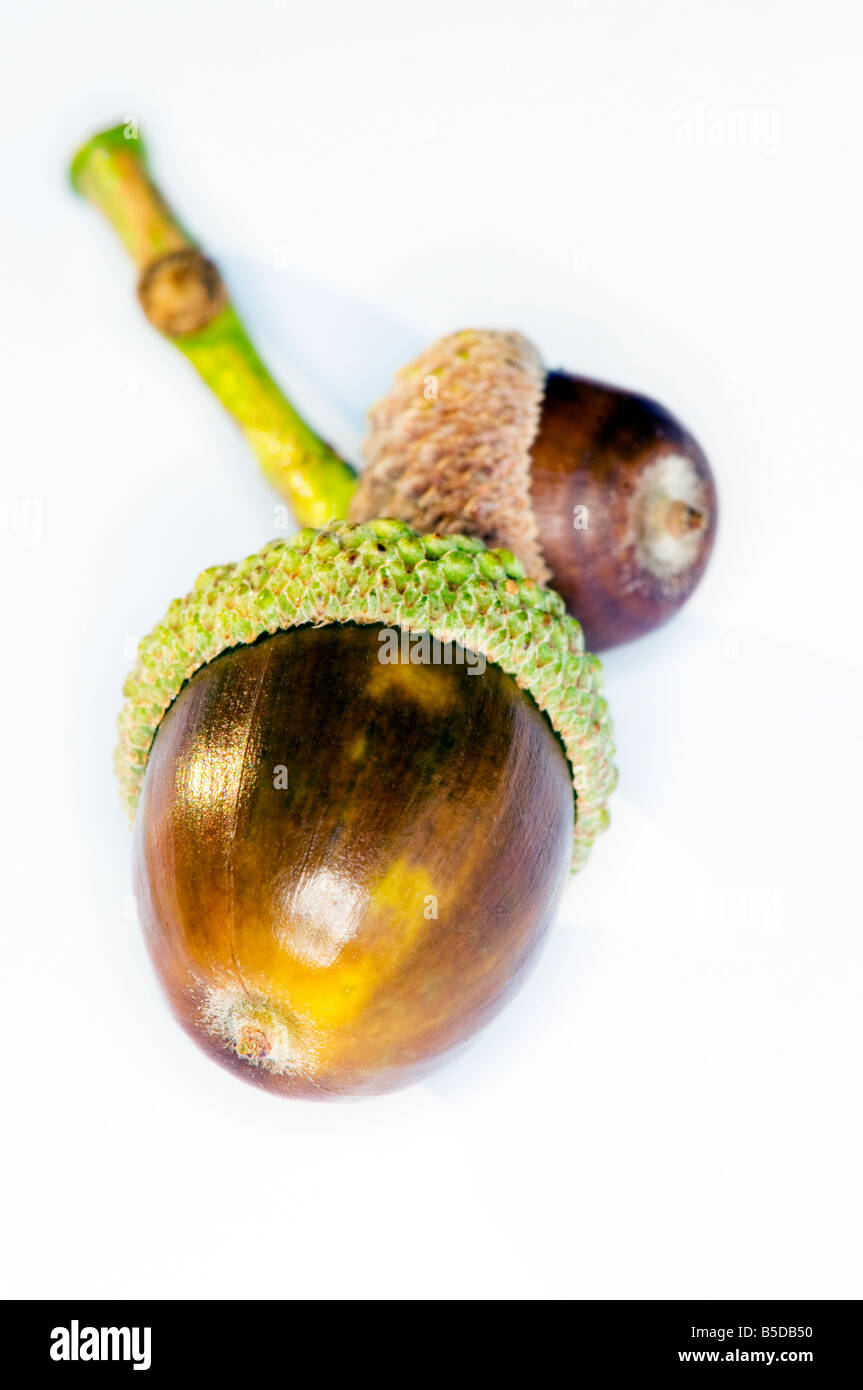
(449, 445)
(383, 572)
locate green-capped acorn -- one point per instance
(361, 764)
(601, 492)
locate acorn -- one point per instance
(360, 763)
(600, 492)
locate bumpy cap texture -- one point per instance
(448, 447)
(383, 572)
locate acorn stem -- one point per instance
(183, 296)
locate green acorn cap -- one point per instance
(383, 572)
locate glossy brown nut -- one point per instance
(344, 868)
(625, 505)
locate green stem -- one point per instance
(182, 294)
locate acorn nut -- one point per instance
(361, 763)
(600, 492)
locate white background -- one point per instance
(662, 195)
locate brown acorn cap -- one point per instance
(599, 491)
(448, 448)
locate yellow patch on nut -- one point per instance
(429, 686)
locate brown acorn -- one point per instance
(600, 492)
(361, 762)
